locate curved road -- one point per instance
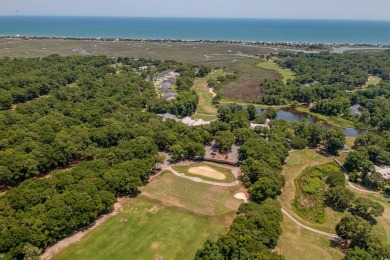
(330, 235)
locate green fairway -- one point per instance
(171, 219)
(268, 65)
(205, 106)
(145, 229)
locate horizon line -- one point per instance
(194, 17)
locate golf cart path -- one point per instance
(330, 235)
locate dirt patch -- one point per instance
(159, 257)
(211, 90)
(155, 245)
(122, 220)
(207, 172)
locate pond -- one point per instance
(296, 116)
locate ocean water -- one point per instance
(270, 30)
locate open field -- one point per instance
(171, 219)
(207, 172)
(268, 65)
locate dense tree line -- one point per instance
(333, 83)
(371, 149)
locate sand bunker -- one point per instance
(241, 196)
(207, 172)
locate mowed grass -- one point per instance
(205, 106)
(171, 219)
(268, 65)
(199, 198)
(145, 229)
(229, 177)
(297, 243)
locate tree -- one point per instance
(252, 112)
(271, 113)
(366, 208)
(224, 140)
(298, 142)
(210, 251)
(334, 140)
(374, 180)
(357, 253)
(339, 198)
(353, 229)
(266, 187)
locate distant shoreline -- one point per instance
(306, 46)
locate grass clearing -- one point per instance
(221, 174)
(372, 80)
(286, 74)
(171, 219)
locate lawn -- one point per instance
(268, 65)
(228, 175)
(171, 219)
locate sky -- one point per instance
(296, 9)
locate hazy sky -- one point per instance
(306, 9)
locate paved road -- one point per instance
(330, 235)
(195, 179)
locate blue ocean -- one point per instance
(269, 30)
